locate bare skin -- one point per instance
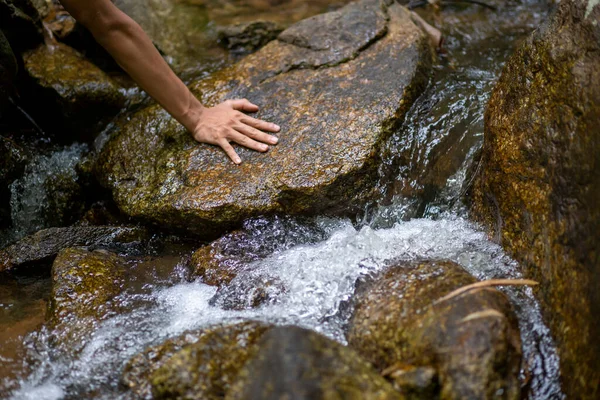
(129, 45)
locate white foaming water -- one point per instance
(29, 194)
(309, 285)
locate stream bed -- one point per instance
(315, 262)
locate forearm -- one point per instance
(133, 50)
(129, 45)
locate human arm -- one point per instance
(133, 50)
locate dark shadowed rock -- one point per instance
(333, 121)
(207, 368)
(248, 37)
(84, 286)
(49, 242)
(472, 340)
(75, 92)
(539, 184)
(295, 363)
(8, 72)
(21, 23)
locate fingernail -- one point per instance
(238, 161)
(264, 147)
(276, 127)
(274, 140)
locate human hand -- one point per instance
(226, 123)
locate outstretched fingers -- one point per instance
(259, 124)
(228, 148)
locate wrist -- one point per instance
(192, 114)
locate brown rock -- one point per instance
(539, 184)
(295, 363)
(48, 243)
(250, 36)
(471, 340)
(84, 285)
(75, 92)
(333, 120)
(207, 369)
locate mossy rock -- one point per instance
(471, 340)
(84, 286)
(337, 83)
(70, 90)
(295, 363)
(539, 180)
(207, 368)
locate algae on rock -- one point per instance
(471, 341)
(539, 180)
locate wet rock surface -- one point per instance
(539, 180)
(248, 37)
(207, 368)
(49, 242)
(296, 363)
(84, 286)
(471, 340)
(73, 89)
(176, 27)
(333, 121)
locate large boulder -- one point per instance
(337, 83)
(47, 243)
(295, 363)
(208, 368)
(407, 328)
(539, 180)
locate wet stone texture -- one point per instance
(539, 181)
(295, 363)
(75, 93)
(84, 285)
(250, 36)
(48, 243)
(469, 344)
(333, 121)
(207, 368)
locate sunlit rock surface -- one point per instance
(336, 83)
(84, 287)
(295, 363)
(539, 183)
(471, 340)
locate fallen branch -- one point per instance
(490, 282)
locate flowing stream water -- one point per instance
(310, 266)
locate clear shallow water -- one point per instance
(313, 283)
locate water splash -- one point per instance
(314, 282)
(30, 195)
